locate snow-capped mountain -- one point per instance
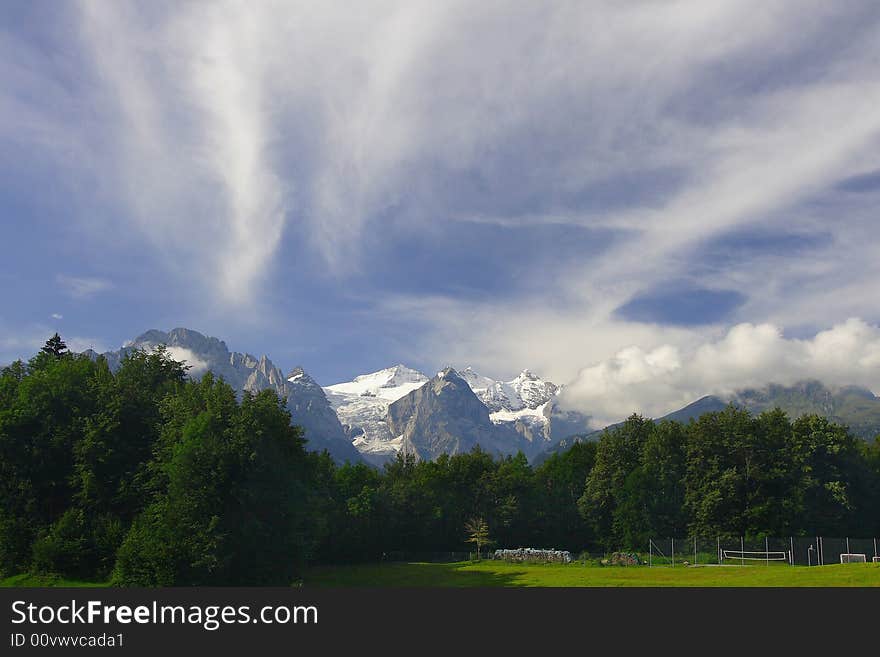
(525, 391)
(362, 408)
(521, 408)
(525, 403)
(391, 383)
(445, 416)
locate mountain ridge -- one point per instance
(853, 406)
(306, 401)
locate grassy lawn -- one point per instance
(496, 573)
(493, 573)
(26, 580)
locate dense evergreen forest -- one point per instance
(146, 477)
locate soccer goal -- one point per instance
(755, 555)
(875, 559)
(854, 558)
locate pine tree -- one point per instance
(55, 346)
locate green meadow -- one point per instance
(495, 573)
(502, 574)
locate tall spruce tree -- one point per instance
(55, 346)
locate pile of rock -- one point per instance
(622, 559)
(533, 555)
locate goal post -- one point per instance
(853, 558)
(755, 555)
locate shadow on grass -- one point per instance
(407, 575)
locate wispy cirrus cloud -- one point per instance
(231, 123)
(622, 153)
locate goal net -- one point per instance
(853, 558)
(754, 555)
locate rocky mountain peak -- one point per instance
(445, 416)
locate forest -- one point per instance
(144, 477)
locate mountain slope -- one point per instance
(529, 405)
(308, 406)
(708, 404)
(444, 416)
(853, 406)
(362, 408)
(522, 404)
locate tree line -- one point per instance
(144, 477)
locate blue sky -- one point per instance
(646, 201)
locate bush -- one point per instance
(78, 546)
(145, 557)
(108, 532)
(64, 549)
(16, 538)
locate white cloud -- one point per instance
(214, 126)
(665, 378)
(82, 287)
(758, 158)
(500, 338)
(197, 365)
(186, 99)
(212, 130)
(57, 316)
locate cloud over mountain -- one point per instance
(659, 380)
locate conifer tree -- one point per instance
(55, 346)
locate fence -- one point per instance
(765, 550)
(703, 551)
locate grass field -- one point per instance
(495, 573)
(26, 580)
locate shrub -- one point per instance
(145, 557)
(64, 549)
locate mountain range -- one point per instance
(306, 400)
(519, 414)
(399, 409)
